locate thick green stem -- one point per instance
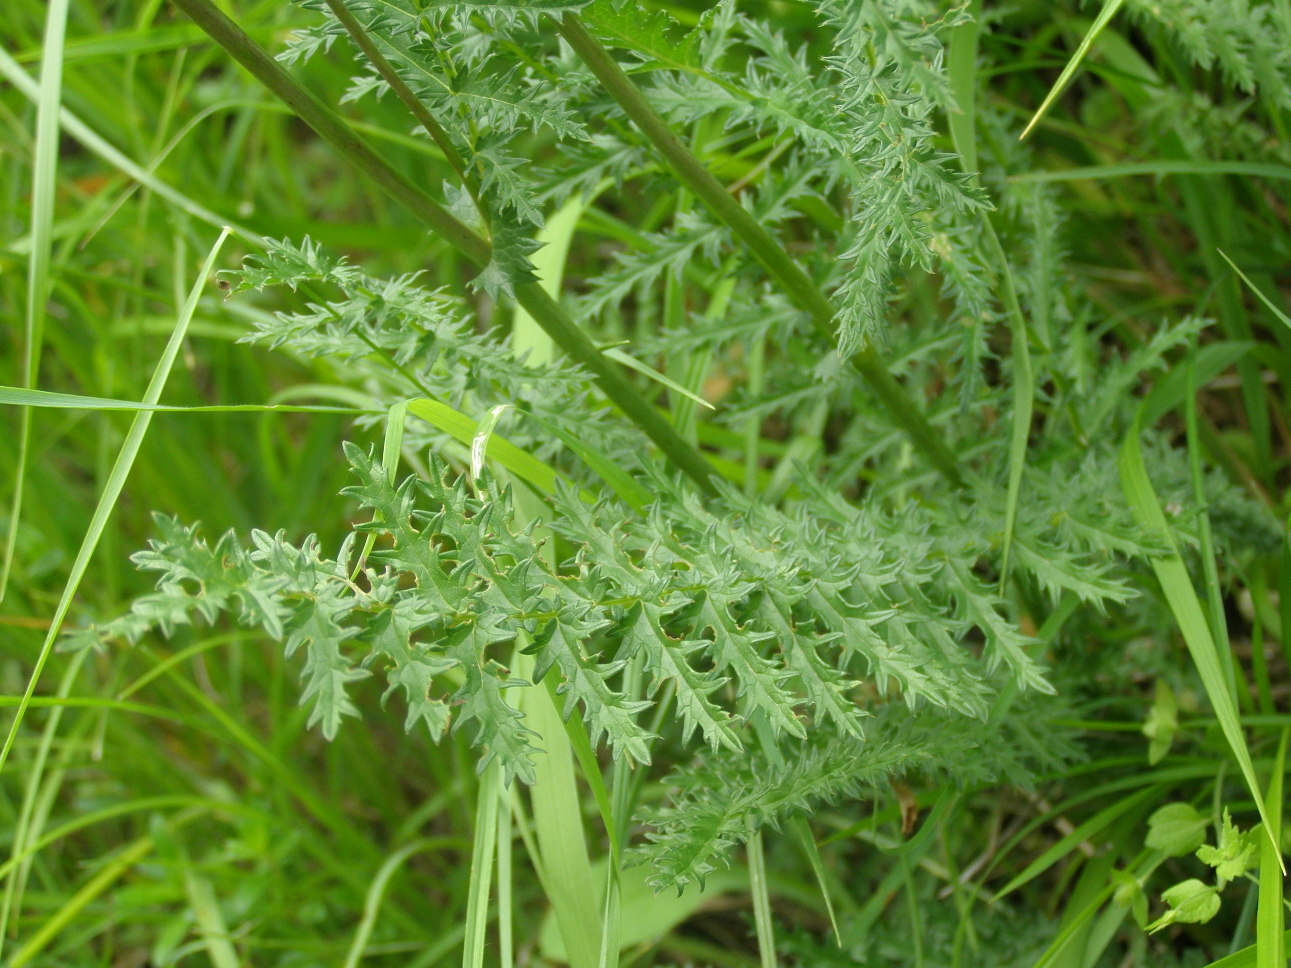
(764, 247)
(405, 94)
(546, 311)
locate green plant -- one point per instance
(937, 464)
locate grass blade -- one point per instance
(1270, 940)
(961, 69)
(1090, 828)
(112, 491)
(1282, 317)
(1156, 167)
(761, 894)
(43, 188)
(1102, 20)
(482, 852)
(92, 889)
(86, 135)
(210, 921)
(633, 363)
(372, 903)
(465, 430)
(48, 399)
(30, 818)
(802, 828)
(1187, 610)
(558, 822)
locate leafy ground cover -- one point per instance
(618, 483)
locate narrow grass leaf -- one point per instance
(86, 135)
(1282, 317)
(1270, 918)
(1023, 398)
(961, 70)
(1102, 20)
(1092, 827)
(1205, 539)
(1209, 361)
(634, 364)
(1183, 601)
(211, 926)
(506, 887)
(1160, 166)
(112, 490)
(91, 890)
(625, 486)
(1245, 958)
(530, 341)
(558, 824)
(21, 397)
(43, 189)
(802, 828)
(760, 891)
(931, 824)
(372, 901)
(1079, 922)
(142, 805)
(483, 849)
(29, 815)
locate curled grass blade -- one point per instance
(483, 433)
(112, 490)
(465, 430)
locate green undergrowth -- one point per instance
(752, 484)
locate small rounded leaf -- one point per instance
(1176, 829)
(1191, 902)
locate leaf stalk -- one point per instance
(763, 246)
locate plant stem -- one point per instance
(764, 247)
(406, 95)
(546, 311)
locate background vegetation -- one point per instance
(1048, 669)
